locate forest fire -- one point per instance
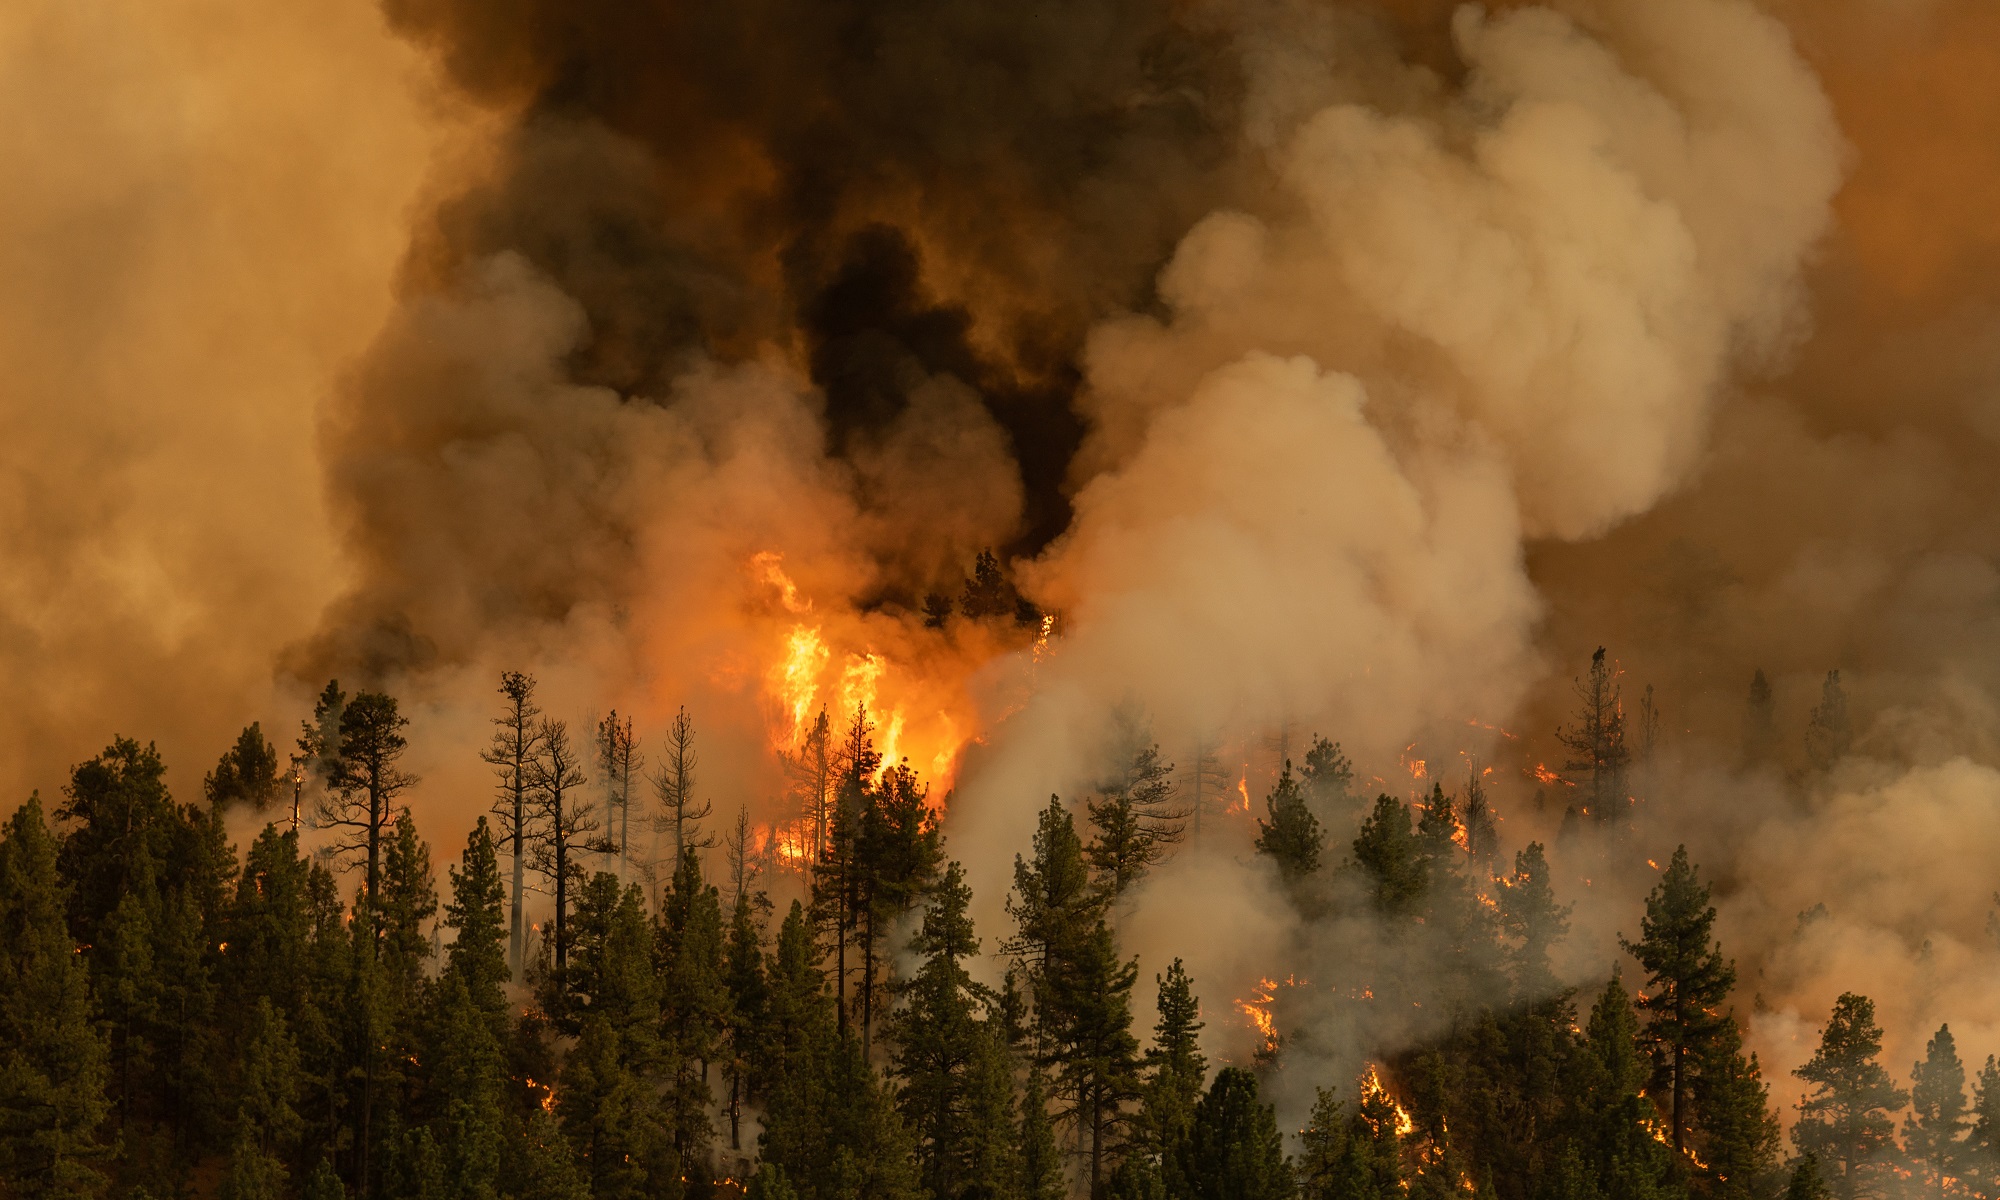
(1372, 1092)
(1258, 1009)
(840, 667)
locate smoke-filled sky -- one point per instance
(1352, 368)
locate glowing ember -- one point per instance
(1042, 636)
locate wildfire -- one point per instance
(789, 843)
(1417, 767)
(1541, 774)
(1258, 1009)
(1372, 1090)
(1243, 790)
(548, 1100)
(797, 678)
(1042, 635)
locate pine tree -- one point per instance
(1531, 917)
(896, 857)
(1846, 1120)
(749, 999)
(987, 594)
(268, 1125)
(1135, 815)
(939, 1038)
(1613, 1121)
(1176, 1072)
(694, 1003)
(1041, 1158)
(1482, 838)
(1829, 735)
(1387, 852)
(1596, 741)
(516, 744)
(1291, 838)
(365, 781)
(52, 1057)
(1204, 784)
(1328, 780)
(1233, 1151)
(1934, 1132)
(246, 774)
(465, 1078)
(1980, 1153)
(1053, 902)
(1806, 1183)
(563, 824)
(1734, 1129)
(477, 956)
(680, 813)
(1760, 722)
(618, 760)
(546, 1168)
(1689, 979)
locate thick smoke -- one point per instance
(1352, 369)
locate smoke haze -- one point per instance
(1353, 369)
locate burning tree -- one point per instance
(1596, 741)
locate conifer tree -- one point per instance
(748, 1000)
(267, 1087)
(1846, 1119)
(1204, 783)
(563, 824)
(1733, 1125)
(1041, 1158)
(1613, 1144)
(840, 879)
(618, 760)
(1291, 838)
(1760, 722)
(1596, 741)
(1135, 815)
(1233, 1151)
(1176, 1072)
(1829, 735)
(1328, 780)
(52, 1057)
(477, 956)
(1689, 981)
(515, 746)
(680, 813)
(694, 1002)
(1980, 1152)
(1534, 921)
(465, 1078)
(546, 1168)
(1387, 852)
(246, 774)
(939, 1038)
(987, 594)
(1482, 838)
(1806, 1182)
(365, 780)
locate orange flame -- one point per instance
(796, 679)
(1372, 1089)
(1258, 1009)
(769, 567)
(1541, 774)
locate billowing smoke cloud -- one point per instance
(1343, 368)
